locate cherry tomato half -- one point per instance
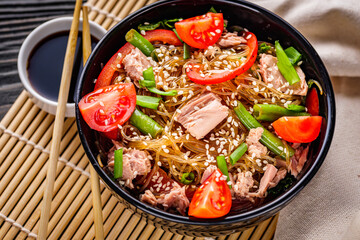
(302, 129)
(212, 199)
(106, 108)
(201, 31)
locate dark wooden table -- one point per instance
(17, 19)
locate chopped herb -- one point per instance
(152, 26)
(264, 48)
(212, 9)
(166, 24)
(293, 55)
(187, 178)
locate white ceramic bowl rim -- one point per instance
(37, 35)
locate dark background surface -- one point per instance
(17, 19)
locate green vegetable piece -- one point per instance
(212, 9)
(151, 26)
(238, 153)
(147, 83)
(293, 55)
(311, 82)
(221, 162)
(174, 30)
(148, 101)
(162, 93)
(272, 142)
(264, 48)
(187, 178)
(140, 42)
(285, 66)
(145, 124)
(272, 112)
(186, 51)
(118, 163)
(170, 23)
(296, 108)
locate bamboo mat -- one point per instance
(25, 138)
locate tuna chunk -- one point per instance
(134, 64)
(207, 173)
(255, 148)
(271, 75)
(202, 114)
(265, 181)
(230, 40)
(148, 197)
(298, 160)
(243, 184)
(175, 199)
(135, 162)
(281, 174)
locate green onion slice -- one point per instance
(221, 162)
(238, 153)
(187, 178)
(118, 163)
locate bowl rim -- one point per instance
(267, 208)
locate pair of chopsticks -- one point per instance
(59, 124)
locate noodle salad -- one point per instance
(203, 118)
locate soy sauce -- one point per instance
(46, 61)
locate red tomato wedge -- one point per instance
(107, 73)
(212, 199)
(106, 108)
(312, 102)
(201, 31)
(302, 129)
(193, 70)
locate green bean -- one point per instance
(145, 124)
(185, 176)
(296, 108)
(140, 42)
(271, 141)
(186, 51)
(148, 101)
(118, 163)
(238, 153)
(293, 55)
(149, 83)
(271, 112)
(221, 162)
(285, 66)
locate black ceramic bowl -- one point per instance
(267, 27)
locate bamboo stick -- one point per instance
(147, 231)
(188, 238)
(121, 222)
(269, 233)
(124, 11)
(136, 233)
(234, 236)
(221, 238)
(139, 4)
(80, 228)
(177, 237)
(167, 236)
(59, 121)
(20, 130)
(107, 8)
(260, 229)
(16, 122)
(32, 133)
(115, 11)
(157, 234)
(150, 2)
(25, 175)
(130, 226)
(14, 109)
(246, 234)
(95, 185)
(99, 5)
(63, 179)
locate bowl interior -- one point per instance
(267, 27)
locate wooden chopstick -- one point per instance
(95, 185)
(59, 123)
